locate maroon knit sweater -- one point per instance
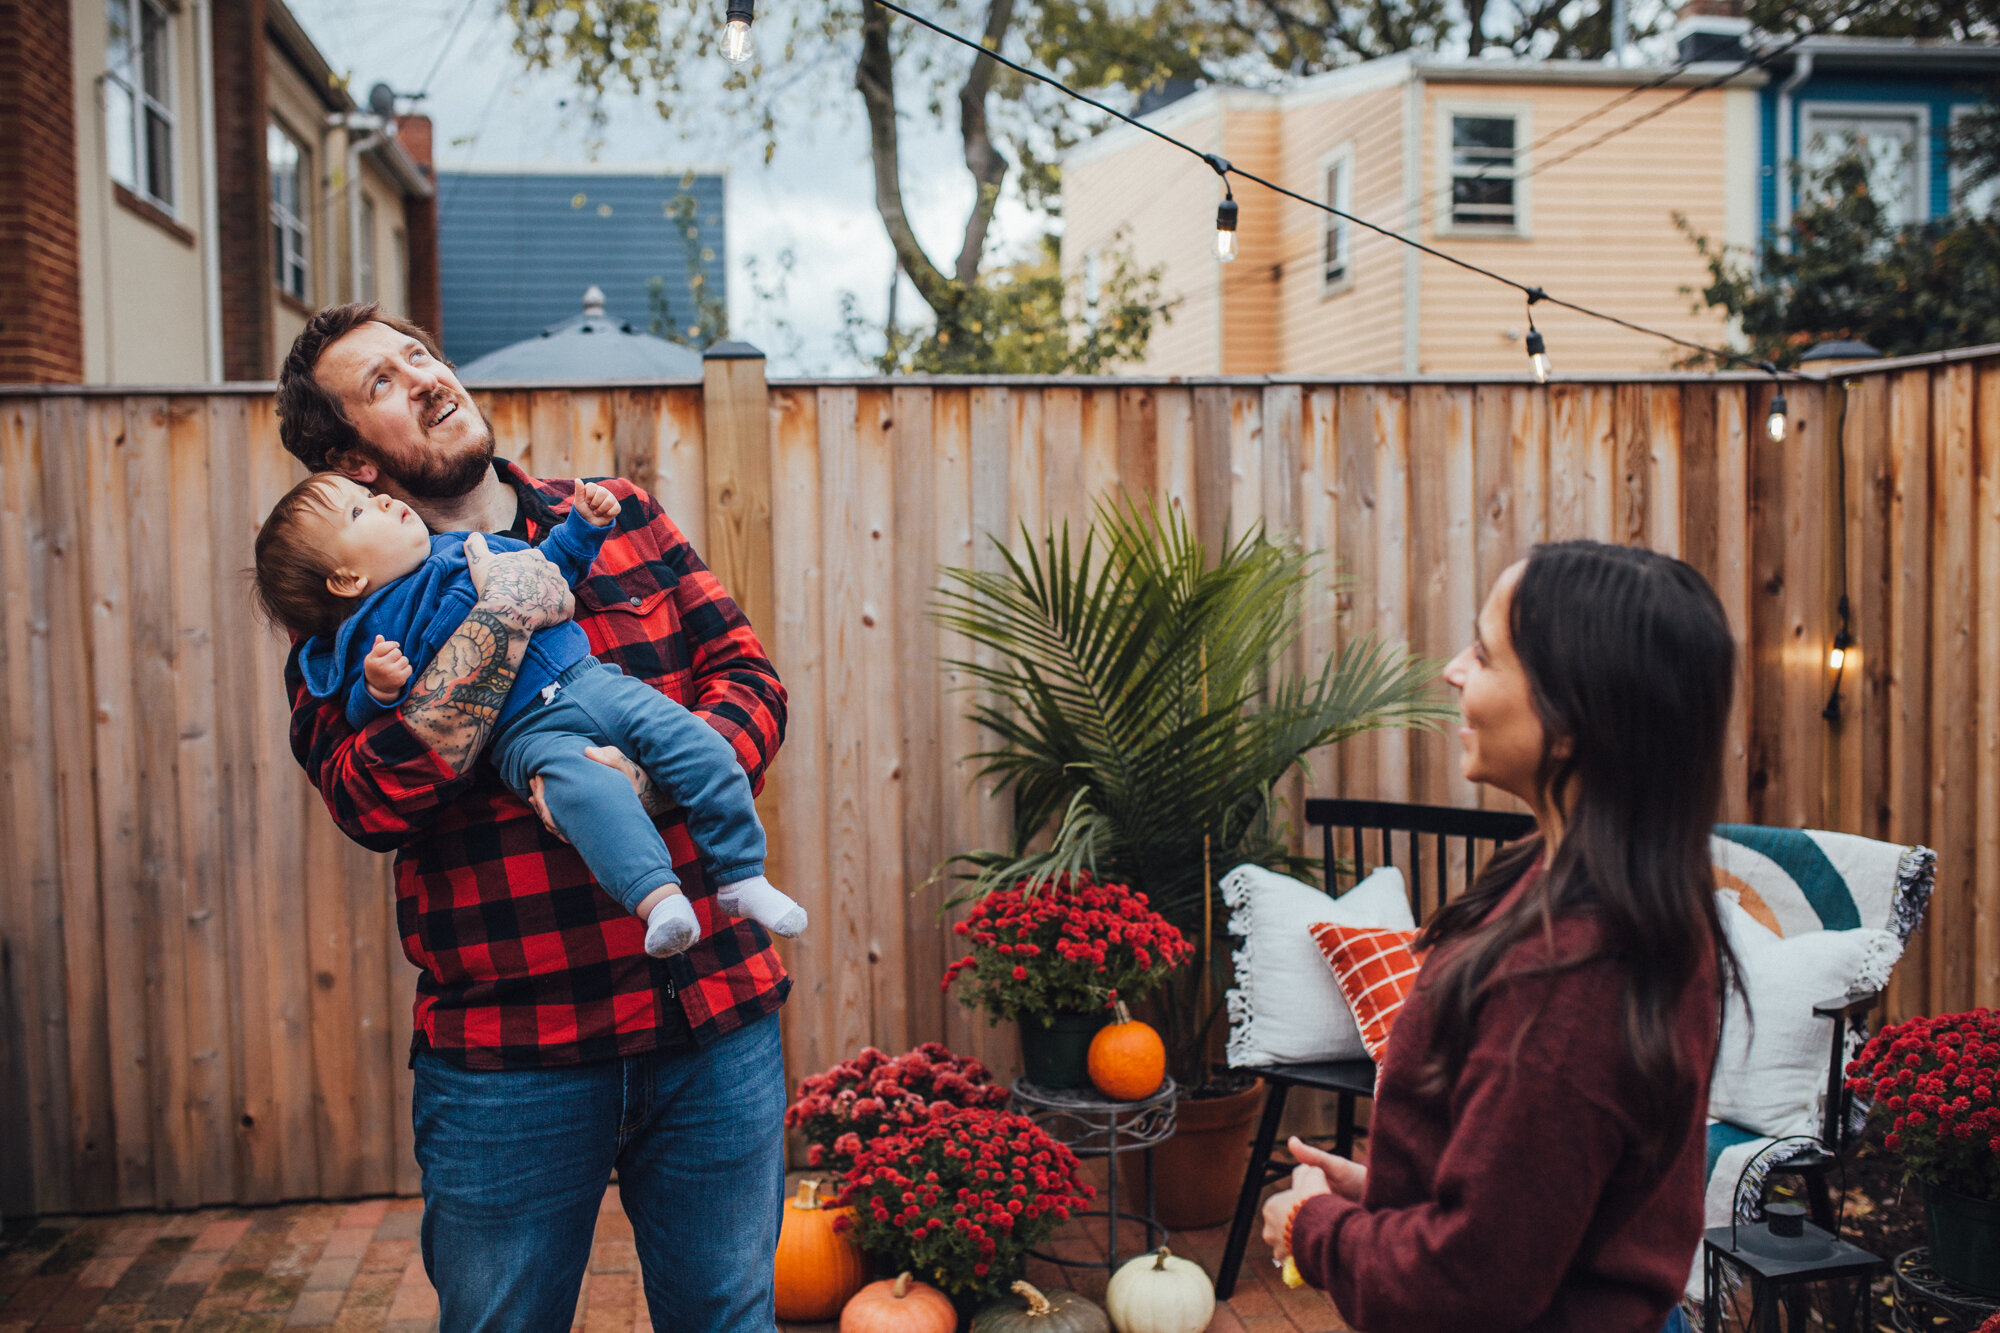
(1517, 1199)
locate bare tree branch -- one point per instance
(985, 162)
(875, 79)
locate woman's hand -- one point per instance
(1342, 1177)
(1317, 1173)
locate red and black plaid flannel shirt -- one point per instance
(525, 961)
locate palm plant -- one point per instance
(1143, 717)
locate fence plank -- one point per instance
(34, 1042)
(849, 785)
(1953, 698)
(884, 790)
(1064, 499)
(72, 714)
(913, 460)
(1803, 650)
(1986, 874)
(201, 915)
(1909, 640)
(1392, 570)
(1357, 525)
(799, 777)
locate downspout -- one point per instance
(1801, 71)
(211, 211)
(355, 148)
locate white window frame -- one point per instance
(140, 101)
(1338, 230)
(1523, 116)
(1987, 194)
(1920, 112)
(1091, 285)
(291, 226)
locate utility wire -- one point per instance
(1224, 168)
(465, 10)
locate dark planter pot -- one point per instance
(1198, 1172)
(1058, 1056)
(1965, 1238)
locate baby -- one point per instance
(373, 588)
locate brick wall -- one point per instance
(41, 294)
(243, 191)
(420, 228)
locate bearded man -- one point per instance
(549, 1048)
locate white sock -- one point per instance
(672, 927)
(769, 908)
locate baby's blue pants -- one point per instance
(593, 804)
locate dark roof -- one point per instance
(589, 346)
(516, 249)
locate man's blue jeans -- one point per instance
(516, 1163)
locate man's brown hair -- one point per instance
(293, 562)
(311, 423)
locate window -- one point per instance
(1337, 260)
(139, 99)
(1484, 169)
(1978, 200)
(287, 161)
(367, 240)
(1891, 139)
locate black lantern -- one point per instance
(1780, 1257)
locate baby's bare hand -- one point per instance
(385, 669)
(597, 505)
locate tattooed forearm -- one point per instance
(458, 698)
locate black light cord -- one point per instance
(1224, 168)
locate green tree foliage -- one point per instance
(701, 318)
(1023, 319)
(1845, 270)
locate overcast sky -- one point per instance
(815, 198)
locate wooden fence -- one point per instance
(204, 998)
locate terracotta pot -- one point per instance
(1199, 1171)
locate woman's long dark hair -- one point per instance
(1630, 665)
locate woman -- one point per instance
(1538, 1136)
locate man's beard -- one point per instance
(436, 475)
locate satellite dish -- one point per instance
(382, 101)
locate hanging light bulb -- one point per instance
(736, 45)
(1775, 425)
(1225, 230)
(1538, 355)
(1837, 658)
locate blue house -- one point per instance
(517, 247)
(1894, 98)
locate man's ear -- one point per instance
(354, 467)
(344, 582)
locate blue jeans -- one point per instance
(1677, 1322)
(594, 703)
(516, 1163)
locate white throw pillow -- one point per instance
(1770, 1073)
(1286, 1006)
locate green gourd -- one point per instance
(1053, 1311)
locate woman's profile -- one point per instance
(1537, 1143)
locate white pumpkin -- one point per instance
(1158, 1293)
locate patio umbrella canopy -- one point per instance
(589, 346)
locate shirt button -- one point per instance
(635, 601)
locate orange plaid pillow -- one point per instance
(1375, 970)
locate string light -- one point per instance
(1843, 638)
(1538, 351)
(1225, 230)
(1774, 425)
(1225, 169)
(736, 45)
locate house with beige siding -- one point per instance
(1468, 156)
(182, 182)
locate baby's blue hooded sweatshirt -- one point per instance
(426, 606)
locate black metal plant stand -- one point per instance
(1091, 1125)
(1924, 1301)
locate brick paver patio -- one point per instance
(355, 1267)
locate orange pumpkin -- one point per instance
(818, 1267)
(901, 1306)
(1128, 1060)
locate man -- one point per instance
(549, 1048)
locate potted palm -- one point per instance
(1142, 713)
